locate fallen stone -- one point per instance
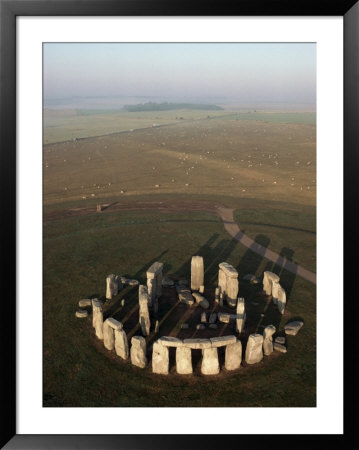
(200, 326)
(133, 282)
(167, 282)
(233, 356)
(184, 295)
(183, 361)
(214, 326)
(280, 339)
(197, 272)
(138, 352)
(170, 341)
(212, 318)
(201, 289)
(197, 343)
(224, 317)
(221, 341)
(81, 313)
(121, 344)
(292, 328)
(210, 363)
(201, 300)
(85, 302)
(279, 347)
(160, 359)
(203, 317)
(254, 351)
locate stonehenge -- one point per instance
(138, 352)
(254, 351)
(228, 283)
(154, 283)
(97, 318)
(268, 340)
(197, 273)
(144, 313)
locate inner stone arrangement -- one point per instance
(222, 336)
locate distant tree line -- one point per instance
(165, 106)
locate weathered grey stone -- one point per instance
(138, 352)
(210, 363)
(133, 282)
(97, 318)
(280, 339)
(268, 279)
(160, 359)
(151, 290)
(282, 299)
(229, 270)
(222, 341)
(170, 341)
(108, 336)
(224, 317)
(292, 328)
(197, 343)
(154, 269)
(159, 284)
(121, 344)
(240, 305)
(183, 360)
(144, 313)
(114, 324)
(222, 282)
(203, 317)
(197, 272)
(201, 289)
(111, 286)
(233, 356)
(268, 339)
(232, 291)
(200, 326)
(85, 302)
(201, 300)
(240, 321)
(275, 291)
(214, 326)
(81, 313)
(184, 295)
(212, 318)
(279, 347)
(184, 326)
(254, 351)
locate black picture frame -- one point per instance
(9, 10)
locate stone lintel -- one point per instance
(154, 270)
(222, 341)
(229, 270)
(169, 341)
(113, 323)
(197, 343)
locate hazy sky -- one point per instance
(245, 72)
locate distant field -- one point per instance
(281, 117)
(78, 255)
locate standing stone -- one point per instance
(157, 326)
(212, 318)
(201, 289)
(222, 281)
(233, 356)
(254, 351)
(282, 300)
(216, 295)
(268, 279)
(138, 352)
(275, 291)
(154, 282)
(221, 295)
(268, 339)
(144, 313)
(197, 273)
(241, 316)
(108, 336)
(183, 360)
(111, 286)
(232, 291)
(204, 317)
(228, 282)
(121, 344)
(151, 289)
(97, 318)
(210, 363)
(160, 359)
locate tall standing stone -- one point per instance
(144, 313)
(160, 359)
(111, 286)
(97, 318)
(210, 363)
(138, 352)
(121, 344)
(275, 291)
(183, 361)
(154, 283)
(268, 339)
(282, 300)
(197, 272)
(268, 279)
(233, 356)
(228, 282)
(254, 351)
(241, 316)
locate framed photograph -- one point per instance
(174, 181)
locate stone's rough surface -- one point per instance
(240, 321)
(200, 326)
(233, 356)
(229, 270)
(224, 317)
(201, 289)
(154, 284)
(282, 299)
(185, 295)
(85, 302)
(154, 270)
(167, 282)
(267, 339)
(121, 344)
(212, 318)
(254, 352)
(240, 305)
(108, 336)
(214, 326)
(170, 341)
(232, 291)
(203, 317)
(97, 318)
(197, 343)
(114, 324)
(138, 352)
(81, 313)
(280, 339)
(197, 272)
(151, 290)
(159, 284)
(222, 341)
(133, 282)
(268, 279)
(292, 328)
(184, 326)
(210, 364)
(201, 300)
(144, 313)
(183, 360)
(157, 326)
(222, 281)
(228, 283)
(275, 291)
(111, 286)
(160, 359)
(279, 347)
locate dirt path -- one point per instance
(225, 214)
